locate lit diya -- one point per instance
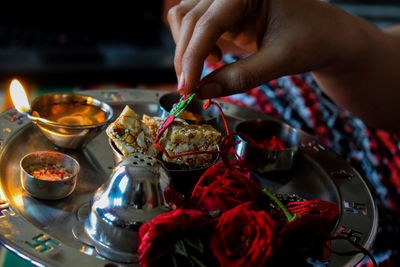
(68, 120)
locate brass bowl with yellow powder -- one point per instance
(70, 120)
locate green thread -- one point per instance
(289, 216)
(182, 105)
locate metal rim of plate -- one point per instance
(358, 213)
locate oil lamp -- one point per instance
(69, 120)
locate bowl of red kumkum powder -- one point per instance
(265, 145)
(49, 175)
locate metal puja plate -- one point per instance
(50, 232)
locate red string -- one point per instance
(208, 104)
(308, 206)
(274, 144)
(360, 248)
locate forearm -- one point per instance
(365, 77)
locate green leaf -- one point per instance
(197, 261)
(284, 209)
(180, 248)
(183, 248)
(174, 260)
(216, 213)
(195, 243)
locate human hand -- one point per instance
(274, 38)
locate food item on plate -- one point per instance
(131, 135)
(155, 122)
(188, 115)
(182, 137)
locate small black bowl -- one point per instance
(209, 115)
(264, 160)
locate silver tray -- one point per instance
(48, 232)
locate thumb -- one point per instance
(243, 74)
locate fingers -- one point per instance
(188, 24)
(197, 25)
(244, 74)
(175, 15)
(200, 36)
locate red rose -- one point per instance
(159, 236)
(244, 237)
(221, 188)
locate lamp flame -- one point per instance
(19, 97)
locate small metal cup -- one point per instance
(264, 160)
(209, 115)
(185, 177)
(44, 189)
(64, 133)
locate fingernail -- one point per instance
(210, 90)
(181, 82)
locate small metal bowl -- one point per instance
(185, 178)
(209, 116)
(264, 160)
(70, 120)
(46, 189)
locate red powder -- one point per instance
(274, 144)
(48, 172)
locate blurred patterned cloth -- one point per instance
(374, 153)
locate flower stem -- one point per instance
(288, 214)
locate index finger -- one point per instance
(220, 17)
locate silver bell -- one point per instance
(137, 191)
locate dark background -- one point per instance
(72, 45)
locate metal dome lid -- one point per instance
(137, 191)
